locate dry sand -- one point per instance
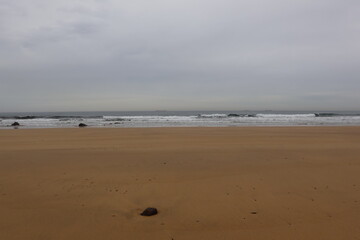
(207, 183)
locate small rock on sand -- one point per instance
(149, 212)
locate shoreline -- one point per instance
(180, 127)
(182, 119)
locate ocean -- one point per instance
(121, 119)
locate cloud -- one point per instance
(178, 54)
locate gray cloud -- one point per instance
(177, 55)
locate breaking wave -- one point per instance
(178, 119)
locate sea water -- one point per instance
(121, 119)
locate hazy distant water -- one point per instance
(179, 119)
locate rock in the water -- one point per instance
(82, 125)
(15, 124)
(149, 212)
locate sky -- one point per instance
(109, 55)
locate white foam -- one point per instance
(204, 120)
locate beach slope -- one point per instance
(207, 183)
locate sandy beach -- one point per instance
(207, 183)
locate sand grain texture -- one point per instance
(207, 183)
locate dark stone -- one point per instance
(149, 212)
(233, 115)
(82, 125)
(15, 124)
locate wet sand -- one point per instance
(207, 183)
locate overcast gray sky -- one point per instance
(72, 55)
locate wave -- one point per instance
(285, 115)
(25, 117)
(330, 114)
(115, 119)
(241, 115)
(65, 117)
(327, 114)
(18, 117)
(215, 115)
(152, 118)
(48, 117)
(179, 119)
(230, 115)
